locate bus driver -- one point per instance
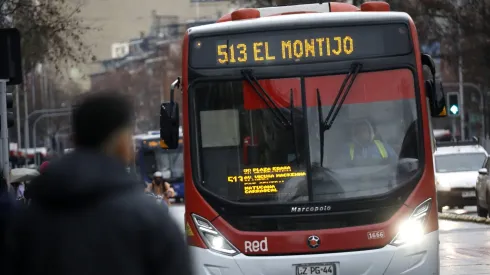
(365, 147)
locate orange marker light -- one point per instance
(244, 14)
(375, 6)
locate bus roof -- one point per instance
(297, 21)
(316, 7)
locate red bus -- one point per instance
(276, 102)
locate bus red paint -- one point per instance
(271, 185)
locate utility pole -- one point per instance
(472, 87)
(460, 78)
(4, 134)
(461, 96)
(26, 119)
(17, 112)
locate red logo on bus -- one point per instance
(313, 241)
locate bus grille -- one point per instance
(310, 221)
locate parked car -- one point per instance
(457, 165)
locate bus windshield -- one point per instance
(248, 155)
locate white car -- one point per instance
(457, 165)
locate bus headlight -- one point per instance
(212, 238)
(413, 229)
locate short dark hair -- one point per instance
(98, 115)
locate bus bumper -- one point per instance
(409, 259)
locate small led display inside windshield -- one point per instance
(300, 46)
(264, 180)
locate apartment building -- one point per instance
(116, 21)
(122, 20)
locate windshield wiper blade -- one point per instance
(259, 90)
(348, 80)
(320, 124)
(293, 130)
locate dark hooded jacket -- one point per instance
(8, 205)
(89, 216)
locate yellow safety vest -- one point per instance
(379, 144)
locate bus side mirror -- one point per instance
(169, 124)
(437, 99)
(169, 120)
(434, 90)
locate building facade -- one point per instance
(115, 21)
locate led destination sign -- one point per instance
(300, 46)
(264, 180)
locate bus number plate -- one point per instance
(468, 194)
(316, 269)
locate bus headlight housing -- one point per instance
(212, 237)
(413, 229)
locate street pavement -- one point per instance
(464, 247)
(467, 210)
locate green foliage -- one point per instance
(51, 31)
(462, 27)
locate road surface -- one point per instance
(464, 248)
(468, 210)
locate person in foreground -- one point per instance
(87, 215)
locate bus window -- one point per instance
(374, 120)
(233, 117)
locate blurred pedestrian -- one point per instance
(87, 215)
(7, 207)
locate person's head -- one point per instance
(157, 177)
(362, 132)
(103, 122)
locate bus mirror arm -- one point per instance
(434, 89)
(169, 119)
(173, 86)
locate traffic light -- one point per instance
(453, 104)
(10, 113)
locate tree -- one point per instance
(146, 79)
(50, 30)
(469, 27)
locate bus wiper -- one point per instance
(348, 80)
(320, 124)
(326, 124)
(259, 90)
(293, 130)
